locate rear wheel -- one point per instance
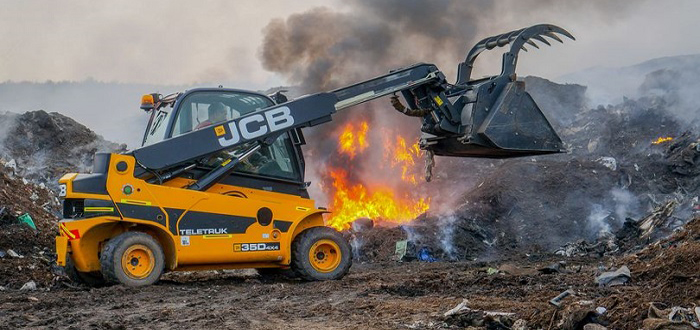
(321, 253)
(133, 259)
(93, 279)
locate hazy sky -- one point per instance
(185, 42)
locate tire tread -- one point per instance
(307, 237)
(109, 262)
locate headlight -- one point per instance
(61, 190)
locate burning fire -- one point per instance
(352, 197)
(352, 141)
(662, 139)
(405, 158)
(354, 201)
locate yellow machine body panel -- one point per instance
(223, 227)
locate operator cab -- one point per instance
(278, 167)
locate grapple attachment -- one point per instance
(492, 117)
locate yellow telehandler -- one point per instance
(219, 180)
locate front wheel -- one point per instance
(133, 259)
(321, 253)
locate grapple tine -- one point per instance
(533, 44)
(540, 38)
(563, 32)
(553, 36)
(517, 40)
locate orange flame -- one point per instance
(352, 141)
(351, 199)
(405, 157)
(352, 202)
(662, 139)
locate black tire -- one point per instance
(301, 259)
(93, 279)
(114, 251)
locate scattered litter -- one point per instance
(406, 251)
(34, 196)
(29, 286)
(27, 219)
(34, 299)
(572, 249)
(581, 248)
(424, 255)
(600, 310)
(2, 254)
(676, 317)
(457, 308)
(401, 249)
(618, 277)
(491, 271)
(11, 164)
(594, 326)
(559, 267)
(659, 218)
(13, 254)
(608, 162)
(2, 288)
(579, 314)
(463, 316)
(556, 301)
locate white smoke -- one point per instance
(625, 203)
(412, 234)
(604, 219)
(446, 224)
(356, 245)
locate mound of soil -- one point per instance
(666, 271)
(45, 145)
(36, 247)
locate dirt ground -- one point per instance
(373, 296)
(377, 294)
(381, 295)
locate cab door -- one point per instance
(248, 214)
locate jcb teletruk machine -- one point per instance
(219, 180)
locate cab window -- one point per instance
(275, 161)
(203, 109)
(155, 132)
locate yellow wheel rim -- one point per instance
(138, 261)
(325, 256)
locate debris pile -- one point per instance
(42, 146)
(36, 148)
(28, 218)
(615, 191)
